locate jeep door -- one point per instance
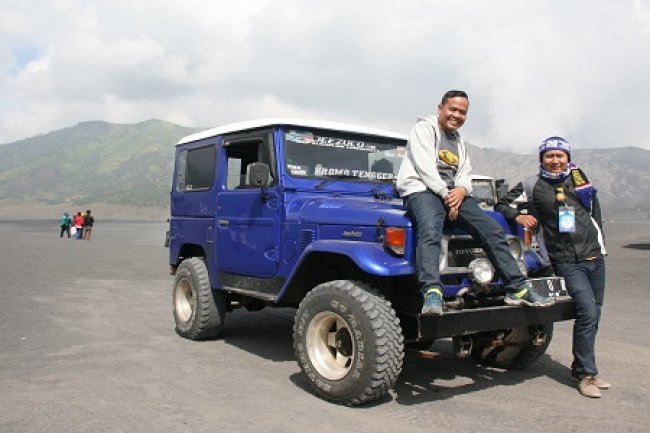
(247, 218)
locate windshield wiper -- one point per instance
(378, 193)
(334, 178)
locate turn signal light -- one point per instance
(395, 239)
(528, 238)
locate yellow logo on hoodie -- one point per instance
(448, 157)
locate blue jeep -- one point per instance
(303, 214)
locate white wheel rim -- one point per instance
(330, 345)
(184, 301)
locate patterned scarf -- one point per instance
(584, 189)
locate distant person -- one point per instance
(66, 222)
(89, 220)
(563, 202)
(434, 181)
(79, 225)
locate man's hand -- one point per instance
(455, 197)
(453, 213)
(453, 201)
(527, 221)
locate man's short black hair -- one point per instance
(453, 94)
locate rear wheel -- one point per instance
(348, 342)
(199, 311)
(515, 348)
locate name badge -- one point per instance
(567, 219)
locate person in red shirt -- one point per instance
(79, 225)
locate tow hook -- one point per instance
(462, 346)
(458, 303)
(539, 337)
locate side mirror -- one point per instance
(502, 188)
(257, 174)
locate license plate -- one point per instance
(549, 286)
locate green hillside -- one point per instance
(93, 162)
(114, 164)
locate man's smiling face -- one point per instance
(452, 114)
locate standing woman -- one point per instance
(563, 202)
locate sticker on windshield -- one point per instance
(297, 170)
(341, 143)
(300, 137)
(320, 170)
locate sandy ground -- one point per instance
(87, 344)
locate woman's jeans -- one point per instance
(428, 212)
(585, 282)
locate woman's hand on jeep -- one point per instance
(528, 221)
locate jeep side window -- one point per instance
(239, 155)
(196, 169)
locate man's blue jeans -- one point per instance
(428, 212)
(585, 282)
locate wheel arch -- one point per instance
(326, 260)
(187, 251)
(317, 267)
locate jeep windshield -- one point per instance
(330, 155)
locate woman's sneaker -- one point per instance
(528, 296)
(432, 302)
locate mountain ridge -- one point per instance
(131, 165)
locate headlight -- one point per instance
(481, 270)
(516, 247)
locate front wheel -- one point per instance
(514, 349)
(199, 311)
(348, 342)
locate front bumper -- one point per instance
(490, 318)
(470, 321)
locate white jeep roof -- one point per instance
(481, 177)
(261, 123)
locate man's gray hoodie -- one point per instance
(419, 171)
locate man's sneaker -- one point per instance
(432, 302)
(587, 387)
(527, 295)
(601, 384)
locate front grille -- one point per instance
(460, 252)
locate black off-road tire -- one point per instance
(199, 311)
(519, 351)
(348, 342)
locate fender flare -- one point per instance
(370, 257)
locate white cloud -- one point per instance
(532, 69)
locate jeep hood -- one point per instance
(349, 211)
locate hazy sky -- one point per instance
(577, 68)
